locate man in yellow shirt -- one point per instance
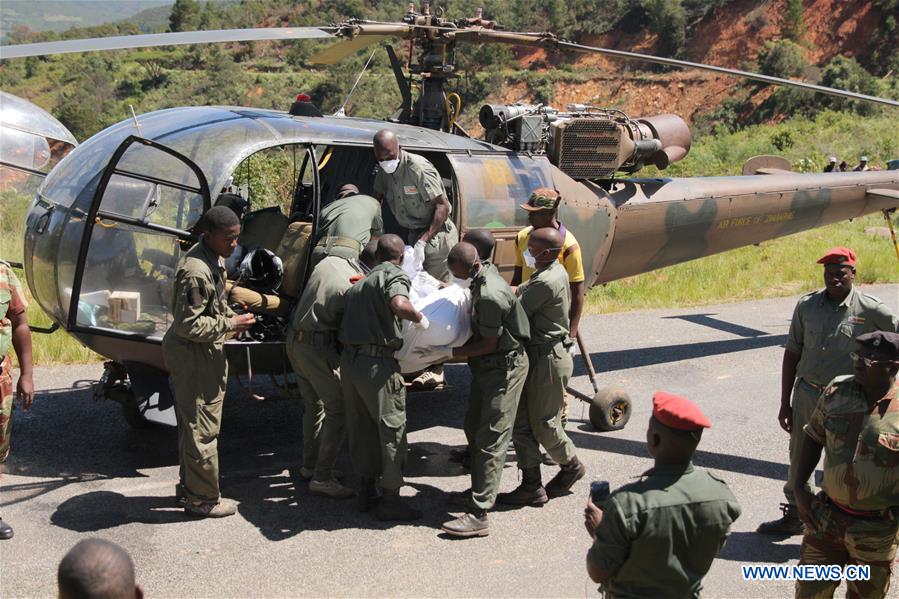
(542, 210)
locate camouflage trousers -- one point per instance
(804, 400)
(842, 539)
(375, 402)
(496, 384)
(7, 395)
(539, 418)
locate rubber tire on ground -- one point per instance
(610, 409)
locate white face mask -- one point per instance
(529, 260)
(463, 283)
(389, 166)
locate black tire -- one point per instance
(610, 409)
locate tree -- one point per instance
(792, 26)
(185, 15)
(668, 19)
(782, 58)
(845, 73)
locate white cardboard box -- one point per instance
(124, 306)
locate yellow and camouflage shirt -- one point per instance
(861, 445)
(12, 302)
(823, 332)
(409, 190)
(200, 312)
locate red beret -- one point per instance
(304, 97)
(838, 255)
(678, 412)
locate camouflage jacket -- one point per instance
(861, 445)
(12, 301)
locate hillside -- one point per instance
(89, 92)
(52, 15)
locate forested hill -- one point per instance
(852, 44)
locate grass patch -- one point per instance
(781, 267)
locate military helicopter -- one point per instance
(107, 227)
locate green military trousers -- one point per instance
(324, 420)
(842, 539)
(805, 398)
(375, 401)
(437, 249)
(200, 375)
(496, 384)
(539, 418)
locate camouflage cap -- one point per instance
(543, 198)
(884, 343)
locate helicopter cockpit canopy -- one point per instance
(32, 142)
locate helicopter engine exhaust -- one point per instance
(587, 143)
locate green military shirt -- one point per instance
(368, 318)
(355, 217)
(321, 306)
(496, 312)
(822, 332)
(546, 298)
(200, 310)
(410, 189)
(660, 534)
(861, 445)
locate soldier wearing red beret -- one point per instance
(657, 537)
(824, 324)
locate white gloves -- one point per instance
(418, 251)
(422, 324)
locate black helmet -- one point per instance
(262, 269)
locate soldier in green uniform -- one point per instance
(373, 388)
(13, 332)
(193, 349)
(657, 537)
(312, 350)
(414, 190)
(499, 367)
(347, 224)
(855, 518)
(824, 324)
(545, 299)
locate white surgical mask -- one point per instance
(529, 260)
(463, 283)
(389, 166)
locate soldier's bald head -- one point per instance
(390, 248)
(462, 260)
(482, 240)
(386, 144)
(97, 569)
(545, 244)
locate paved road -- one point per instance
(78, 471)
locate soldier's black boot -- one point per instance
(529, 492)
(393, 509)
(474, 523)
(568, 474)
(787, 525)
(5, 530)
(368, 495)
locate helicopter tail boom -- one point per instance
(664, 222)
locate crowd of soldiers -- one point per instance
(839, 389)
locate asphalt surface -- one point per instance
(77, 470)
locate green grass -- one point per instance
(781, 267)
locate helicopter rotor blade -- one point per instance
(123, 42)
(341, 50)
(726, 71)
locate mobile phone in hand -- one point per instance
(599, 491)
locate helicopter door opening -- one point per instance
(147, 202)
(282, 193)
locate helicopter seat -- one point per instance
(293, 251)
(263, 229)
